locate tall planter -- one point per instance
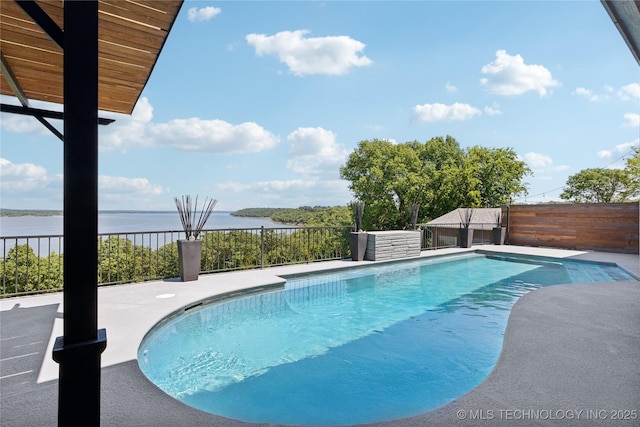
(189, 255)
(466, 237)
(499, 234)
(358, 245)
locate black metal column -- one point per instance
(78, 351)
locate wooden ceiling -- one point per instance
(131, 36)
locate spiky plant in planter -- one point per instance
(190, 249)
(466, 232)
(358, 238)
(413, 215)
(413, 221)
(358, 212)
(499, 232)
(192, 229)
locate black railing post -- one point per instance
(262, 247)
(508, 222)
(79, 351)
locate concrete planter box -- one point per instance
(383, 245)
(189, 254)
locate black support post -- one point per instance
(79, 351)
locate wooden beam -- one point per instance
(43, 20)
(10, 78)
(13, 83)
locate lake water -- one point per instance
(120, 222)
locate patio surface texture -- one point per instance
(570, 356)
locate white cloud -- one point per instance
(29, 186)
(440, 112)
(493, 110)
(630, 91)
(583, 91)
(132, 191)
(633, 119)
(212, 136)
(128, 130)
(618, 150)
(605, 154)
(451, 88)
(541, 163)
(26, 185)
(23, 124)
(332, 55)
(17, 123)
(587, 93)
(509, 75)
(314, 152)
(192, 134)
(203, 14)
(537, 160)
(21, 177)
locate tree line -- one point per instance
(312, 216)
(603, 185)
(438, 175)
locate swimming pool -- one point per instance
(363, 345)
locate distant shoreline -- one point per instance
(29, 212)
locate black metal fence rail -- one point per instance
(34, 264)
(31, 264)
(439, 236)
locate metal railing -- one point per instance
(31, 264)
(438, 236)
(34, 264)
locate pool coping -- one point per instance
(129, 311)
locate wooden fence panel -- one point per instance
(609, 227)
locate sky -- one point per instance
(258, 104)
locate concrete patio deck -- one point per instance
(569, 357)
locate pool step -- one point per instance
(587, 273)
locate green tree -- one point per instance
(632, 167)
(23, 271)
(121, 261)
(497, 174)
(314, 216)
(597, 185)
(226, 250)
(437, 175)
(384, 176)
(446, 179)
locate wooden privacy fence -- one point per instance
(609, 227)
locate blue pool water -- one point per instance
(362, 345)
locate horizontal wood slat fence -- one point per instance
(608, 227)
